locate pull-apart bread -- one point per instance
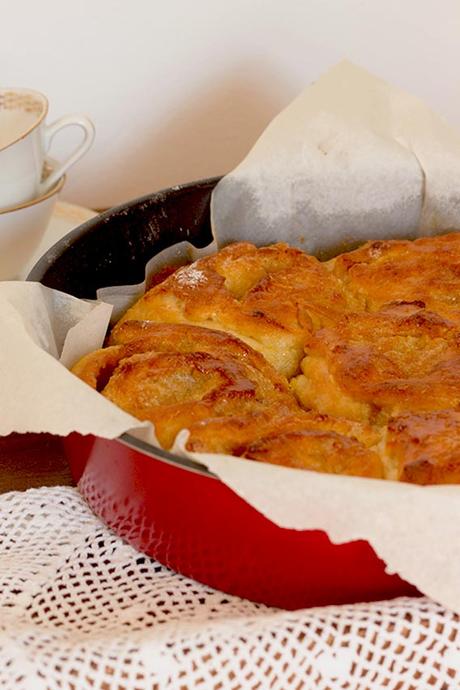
(272, 298)
(350, 366)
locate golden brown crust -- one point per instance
(320, 451)
(270, 297)
(307, 441)
(231, 434)
(400, 358)
(175, 375)
(424, 448)
(169, 337)
(234, 434)
(425, 270)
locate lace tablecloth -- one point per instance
(79, 609)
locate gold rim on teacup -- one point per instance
(16, 98)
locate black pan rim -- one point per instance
(54, 252)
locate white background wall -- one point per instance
(179, 89)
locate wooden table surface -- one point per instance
(32, 460)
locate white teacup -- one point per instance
(24, 142)
(23, 226)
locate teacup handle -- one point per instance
(50, 130)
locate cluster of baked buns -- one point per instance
(350, 366)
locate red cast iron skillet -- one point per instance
(171, 508)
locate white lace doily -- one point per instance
(79, 609)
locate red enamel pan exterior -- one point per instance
(171, 508)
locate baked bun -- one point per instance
(424, 448)
(270, 297)
(320, 451)
(233, 435)
(175, 375)
(308, 441)
(425, 270)
(401, 358)
(169, 337)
